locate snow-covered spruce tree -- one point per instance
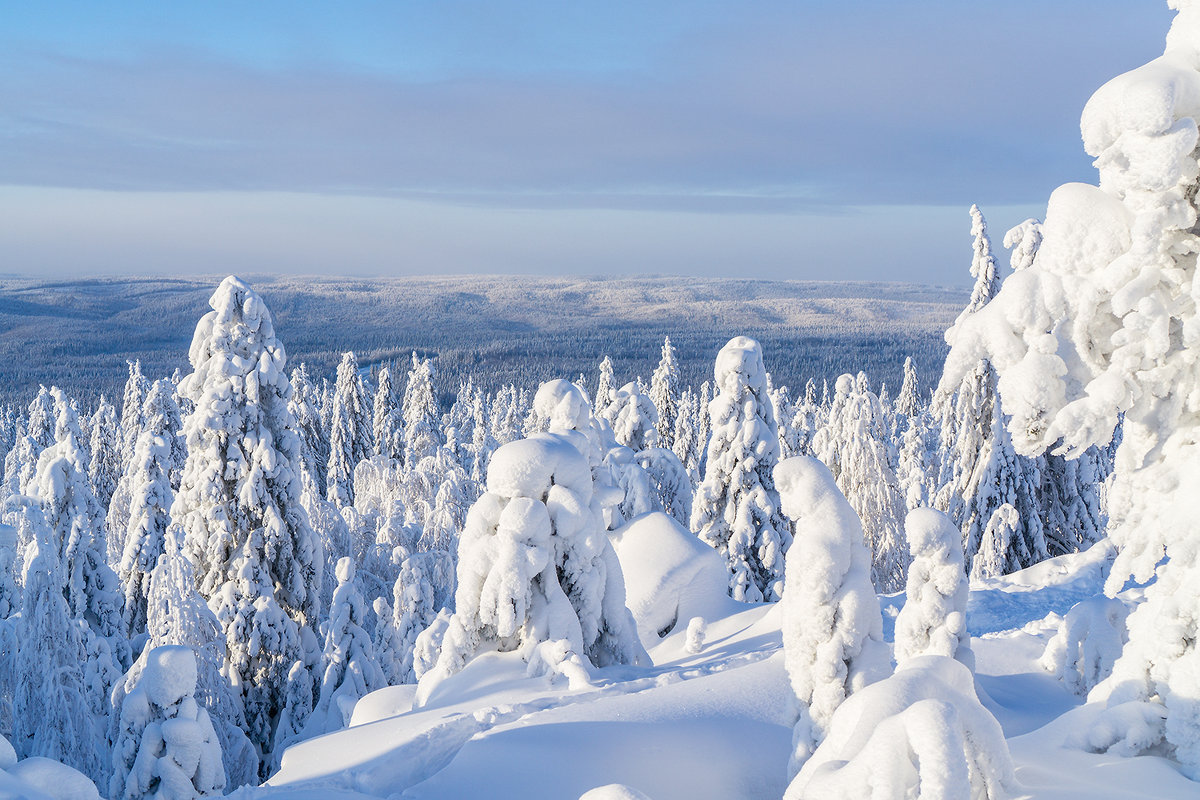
(422, 437)
(995, 554)
(160, 420)
(736, 510)
(20, 464)
(686, 443)
(412, 610)
(915, 462)
(136, 389)
(604, 387)
(458, 423)
(350, 434)
(167, 746)
(177, 615)
(76, 522)
(305, 406)
(104, 470)
(854, 446)
(1072, 515)
(149, 516)
(52, 713)
(669, 481)
(908, 403)
(934, 618)
(389, 440)
(239, 503)
(665, 393)
(536, 572)
(832, 626)
(351, 670)
(980, 470)
(633, 418)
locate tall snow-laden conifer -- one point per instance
(604, 387)
(389, 441)
(136, 388)
(633, 418)
(854, 446)
(736, 510)
(20, 465)
(351, 670)
(239, 502)
(980, 469)
(350, 434)
(686, 443)
(149, 516)
(314, 437)
(664, 393)
(1113, 281)
(421, 435)
(104, 469)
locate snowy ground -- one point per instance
(715, 723)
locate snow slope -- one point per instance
(716, 723)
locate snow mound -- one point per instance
(920, 733)
(613, 791)
(383, 703)
(54, 779)
(170, 674)
(670, 575)
(8, 756)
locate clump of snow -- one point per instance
(613, 791)
(920, 733)
(1088, 642)
(832, 626)
(934, 618)
(696, 630)
(670, 575)
(54, 779)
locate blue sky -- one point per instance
(803, 139)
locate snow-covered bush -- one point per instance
(832, 627)
(934, 618)
(167, 747)
(1087, 644)
(535, 565)
(736, 510)
(633, 418)
(922, 733)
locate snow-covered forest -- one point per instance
(257, 577)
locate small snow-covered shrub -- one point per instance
(166, 747)
(832, 627)
(922, 733)
(934, 618)
(1088, 642)
(535, 565)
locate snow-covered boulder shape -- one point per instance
(832, 626)
(614, 791)
(920, 733)
(535, 565)
(166, 746)
(1088, 642)
(53, 780)
(670, 575)
(934, 618)
(1105, 323)
(736, 510)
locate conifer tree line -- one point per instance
(302, 540)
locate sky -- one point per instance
(806, 139)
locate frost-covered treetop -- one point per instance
(237, 340)
(739, 367)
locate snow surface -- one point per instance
(712, 724)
